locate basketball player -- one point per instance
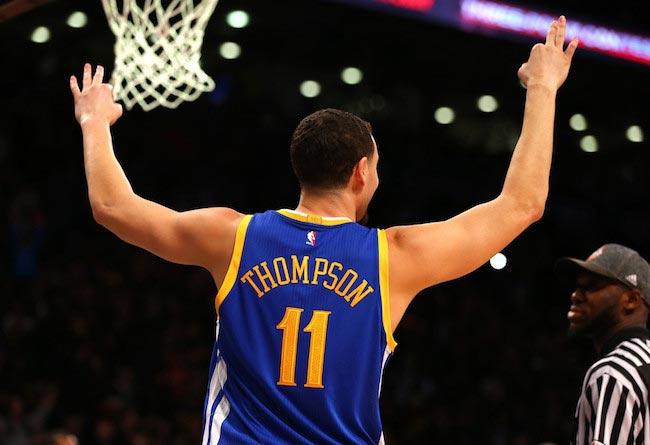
(308, 299)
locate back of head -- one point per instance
(326, 146)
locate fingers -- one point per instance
(557, 32)
(561, 31)
(552, 32)
(99, 75)
(88, 79)
(571, 48)
(87, 76)
(556, 35)
(74, 87)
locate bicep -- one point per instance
(423, 255)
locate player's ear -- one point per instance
(360, 172)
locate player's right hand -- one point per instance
(95, 99)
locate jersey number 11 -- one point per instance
(290, 327)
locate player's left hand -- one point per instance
(549, 63)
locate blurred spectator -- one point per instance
(55, 438)
(27, 226)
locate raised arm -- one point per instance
(426, 254)
(201, 237)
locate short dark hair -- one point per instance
(326, 146)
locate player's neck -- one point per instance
(330, 204)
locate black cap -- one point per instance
(612, 261)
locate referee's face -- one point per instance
(595, 305)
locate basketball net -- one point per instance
(158, 51)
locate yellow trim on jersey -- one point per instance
(233, 268)
(315, 219)
(383, 280)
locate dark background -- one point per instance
(111, 343)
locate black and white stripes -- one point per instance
(613, 406)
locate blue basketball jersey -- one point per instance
(303, 334)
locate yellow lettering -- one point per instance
(348, 273)
(330, 272)
(247, 278)
(265, 276)
(359, 293)
(300, 269)
(280, 261)
(319, 269)
(262, 279)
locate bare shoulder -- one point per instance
(221, 216)
(422, 255)
(213, 224)
(209, 221)
(408, 238)
(210, 233)
(410, 253)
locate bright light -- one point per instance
(634, 134)
(230, 50)
(77, 20)
(40, 35)
(487, 103)
(310, 88)
(444, 115)
(351, 75)
(498, 261)
(238, 19)
(589, 144)
(578, 122)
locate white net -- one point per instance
(158, 51)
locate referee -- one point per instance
(610, 305)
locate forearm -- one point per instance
(528, 175)
(108, 185)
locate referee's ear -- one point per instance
(633, 302)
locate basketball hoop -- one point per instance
(158, 51)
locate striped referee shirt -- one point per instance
(613, 406)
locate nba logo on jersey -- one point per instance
(311, 238)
